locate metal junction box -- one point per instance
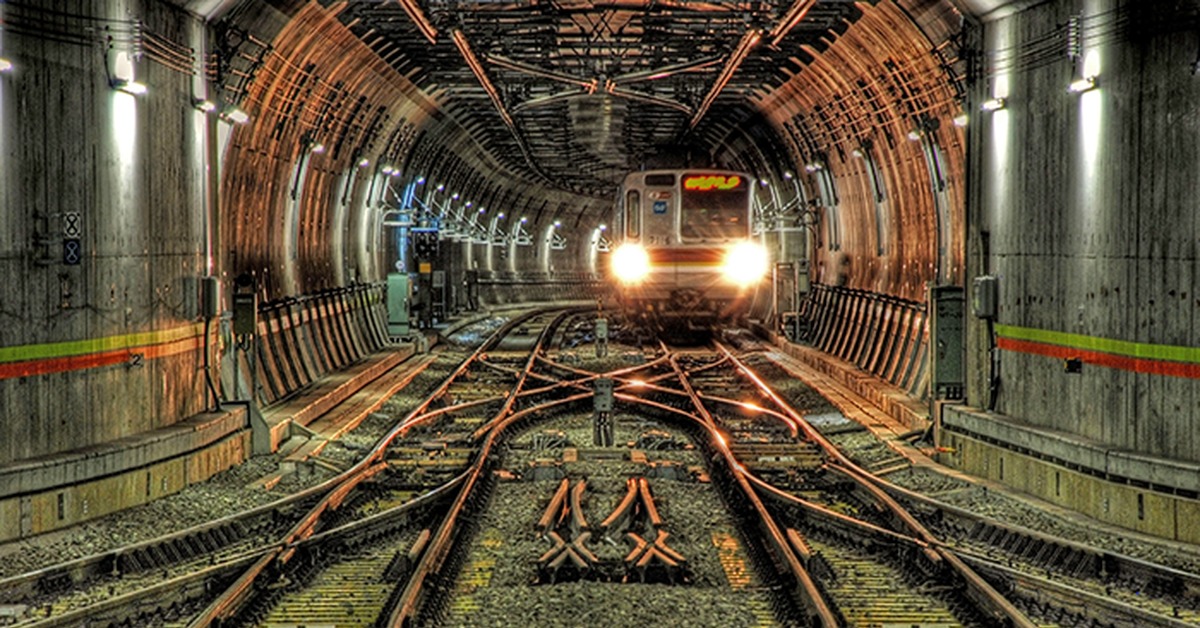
(985, 297)
(245, 313)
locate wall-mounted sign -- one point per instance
(72, 251)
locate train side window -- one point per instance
(633, 213)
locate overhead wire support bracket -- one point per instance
(794, 16)
(418, 17)
(739, 54)
(509, 64)
(464, 47)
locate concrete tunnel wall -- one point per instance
(109, 346)
(1086, 212)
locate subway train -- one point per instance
(683, 254)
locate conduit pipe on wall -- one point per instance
(212, 199)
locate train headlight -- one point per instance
(745, 263)
(630, 263)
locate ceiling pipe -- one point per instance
(793, 17)
(418, 17)
(509, 64)
(542, 101)
(663, 72)
(613, 89)
(749, 40)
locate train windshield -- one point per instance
(714, 206)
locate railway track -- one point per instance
(579, 532)
(497, 497)
(335, 549)
(151, 577)
(150, 582)
(1053, 580)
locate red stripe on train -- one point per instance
(686, 256)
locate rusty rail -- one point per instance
(230, 602)
(408, 604)
(985, 596)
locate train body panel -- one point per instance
(684, 253)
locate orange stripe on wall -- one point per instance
(30, 368)
(1189, 370)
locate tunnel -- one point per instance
(982, 209)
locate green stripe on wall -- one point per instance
(1173, 353)
(97, 345)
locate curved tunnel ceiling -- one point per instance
(575, 93)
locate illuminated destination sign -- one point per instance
(707, 182)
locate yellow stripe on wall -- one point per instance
(53, 350)
(1173, 353)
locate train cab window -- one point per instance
(633, 214)
(714, 207)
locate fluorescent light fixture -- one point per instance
(454, 196)
(441, 186)
(237, 116)
(813, 167)
(318, 148)
(763, 182)
(468, 204)
(395, 172)
(915, 135)
(857, 152)
(500, 215)
(364, 163)
(524, 219)
(557, 223)
(207, 106)
(993, 104)
(482, 210)
(129, 87)
(420, 180)
(5, 65)
(604, 227)
(387, 170)
(1082, 85)
(788, 175)
(961, 119)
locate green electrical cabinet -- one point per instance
(399, 298)
(947, 342)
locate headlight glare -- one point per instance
(745, 263)
(630, 263)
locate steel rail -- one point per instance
(979, 590)
(407, 606)
(230, 602)
(114, 561)
(128, 609)
(1108, 562)
(810, 594)
(1063, 594)
(837, 518)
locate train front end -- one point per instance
(688, 258)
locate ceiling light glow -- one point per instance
(993, 104)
